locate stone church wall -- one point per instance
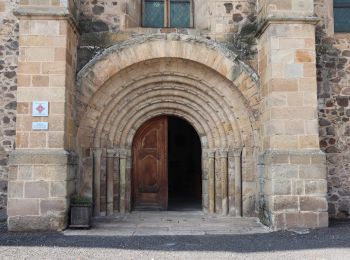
(333, 75)
(106, 22)
(334, 116)
(8, 87)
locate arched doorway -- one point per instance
(132, 83)
(166, 171)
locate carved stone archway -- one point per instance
(191, 78)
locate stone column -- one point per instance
(110, 182)
(43, 171)
(116, 181)
(97, 181)
(237, 153)
(224, 181)
(205, 184)
(211, 181)
(294, 168)
(231, 182)
(122, 170)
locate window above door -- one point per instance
(341, 15)
(167, 13)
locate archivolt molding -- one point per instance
(143, 48)
(124, 87)
(216, 110)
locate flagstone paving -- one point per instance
(171, 223)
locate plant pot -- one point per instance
(80, 216)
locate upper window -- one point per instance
(341, 15)
(167, 13)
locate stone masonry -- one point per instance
(8, 87)
(42, 174)
(334, 114)
(261, 125)
(294, 168)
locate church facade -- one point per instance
(239, 108)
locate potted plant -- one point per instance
(80, 212)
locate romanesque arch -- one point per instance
(169, 74)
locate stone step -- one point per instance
(174, 223)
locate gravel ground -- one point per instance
(329, 243)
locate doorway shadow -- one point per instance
(184, 166)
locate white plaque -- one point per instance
(40, 108)
(40, 126)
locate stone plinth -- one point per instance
(40, 185)
(295, 189)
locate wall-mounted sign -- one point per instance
(40, 126)
(40, 108)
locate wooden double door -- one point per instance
(166, 165)
(149, 171)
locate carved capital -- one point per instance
(97, 152)
(112, 153)
(221, 153)
(235, 152)
(208, 153)
(124, 153)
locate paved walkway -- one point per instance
(165, 223)
(328, 243)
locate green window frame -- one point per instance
(341, 9)
(167, 13)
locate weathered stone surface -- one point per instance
(223, 103)
(333, 96)
(8, 86)
(37, 223)
(23, 207)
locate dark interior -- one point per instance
(184, 166)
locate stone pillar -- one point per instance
(122, 170)
(231, 182)
(42, 171)
(211, 181)
(294, 168)
(97, 181)
(205, 185)
(237, 154)
(224, 181)
(110, 182)
(116, 182)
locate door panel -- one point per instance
(150, 177)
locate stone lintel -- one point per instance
(46, 157)
(274, 19)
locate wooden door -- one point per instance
(150, 177)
